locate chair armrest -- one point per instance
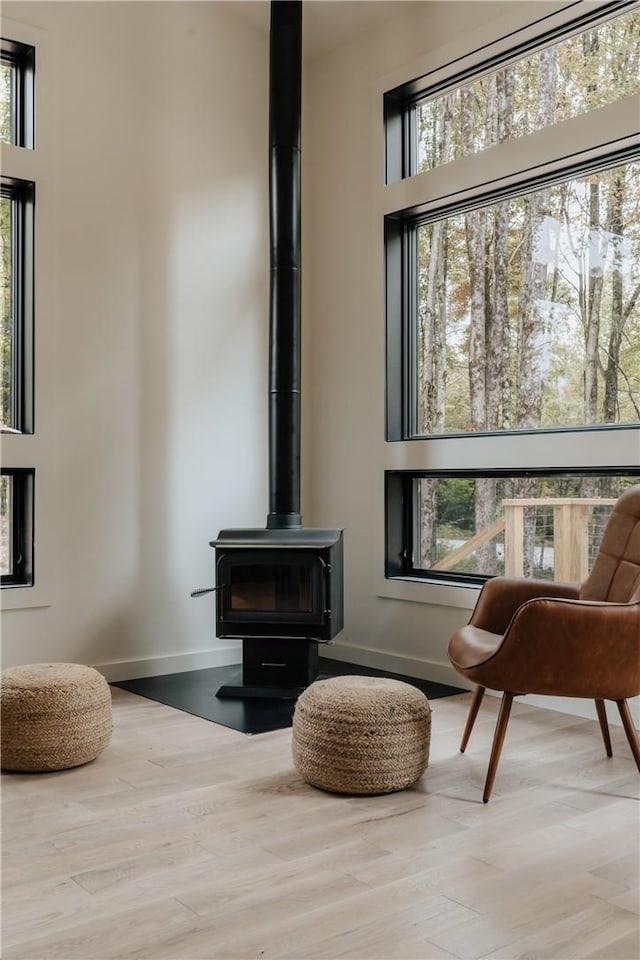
(574, 648)
(502, 596)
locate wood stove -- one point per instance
(280, 589)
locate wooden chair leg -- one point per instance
(630, 730)
(471, 717)
(498, 740)
(604, 726)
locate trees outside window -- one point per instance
(528, 310)
(519, 305)
(543, 524)
(574, 76)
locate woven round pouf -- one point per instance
(361, 735)
(54, 716)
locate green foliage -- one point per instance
(455, 506)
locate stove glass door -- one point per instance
(270, 588)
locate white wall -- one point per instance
(401, 626)
(152, 322)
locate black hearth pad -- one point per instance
(195, 691)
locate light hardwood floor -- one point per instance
(187, 840)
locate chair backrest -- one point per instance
(616, 572)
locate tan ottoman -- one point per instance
(53, 716)
(361, 735)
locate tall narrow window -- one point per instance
(17, 201)
(16, 330)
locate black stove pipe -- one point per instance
(285, 94)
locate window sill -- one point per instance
(22, 598)
(439, 594)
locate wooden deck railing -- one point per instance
(570, 536)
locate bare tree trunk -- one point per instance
(534, 274)
(616, 226)
(526, 488)
(432, 350)
(476, 242)
(531, 333)
(531, 330)
(428, 521)
(592, 306)
(500, 339)
(431, 336)
(431, 416)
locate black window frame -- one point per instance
(401, 520)
(401, 295)
(22, 523)
(400, 104)
(21, 193)
(21, 57)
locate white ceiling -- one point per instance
(326, 24)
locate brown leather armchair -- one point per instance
(536, 636)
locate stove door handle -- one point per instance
(203, 590)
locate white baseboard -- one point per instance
(409, 666)
(229, 654)
(444, 673)
(222, 656)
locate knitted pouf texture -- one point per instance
(53, 716)
(361, 735)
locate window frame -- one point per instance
(401, 520)
(22, 518)
(22, 196)
(400, 103)
(401, 308)
(518, 166)
(22, 167)
(22, 58)
(451, 191)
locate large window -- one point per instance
(520, 308)
(527, 311)
(513, 297)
